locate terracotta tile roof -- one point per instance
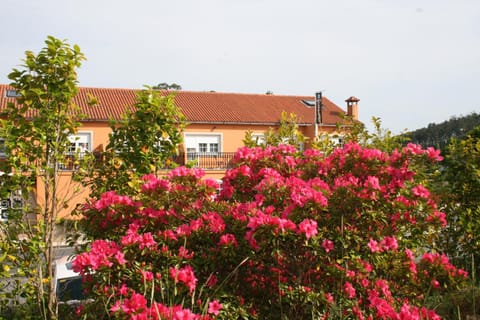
(206, 107)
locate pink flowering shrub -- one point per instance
(292, 235)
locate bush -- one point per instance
(291, 236)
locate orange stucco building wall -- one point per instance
(69, 194)
(231, 138)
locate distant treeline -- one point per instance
(439, 135)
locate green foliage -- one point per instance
(249, 140)
(38, 124)
(36, 129)
(381, 138)
(166, 86)
(456, 185)
(356, 132)
(286, 133)
(460, 184)
(439, 135)
(327, 142)
(292, 235)
(143, 141)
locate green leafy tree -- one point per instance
(144, 141)
(166, 86)
(461, 187)
(438, 135)
(286, 133)
(379, 138)
(36, 129)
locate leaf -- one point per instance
(91, 99)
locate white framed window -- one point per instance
(163, 144)
(80, 142)
(213, 148)
(14, 201)
(191, 153)
(4, 206)
(203, 143)
(120, 143)
(337, 140)
(259, 138)
(202, 147)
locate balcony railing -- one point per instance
(206, 161)
(71, 161)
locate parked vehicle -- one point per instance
(68, 283)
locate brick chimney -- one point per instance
(352, 107)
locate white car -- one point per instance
(68, 283)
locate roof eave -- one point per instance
(229, 123)
(244, 123)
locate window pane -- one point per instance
(82, 147)
(72, 147)
(4, 206)
(2, 147)
(80, 142)
(202, 147)
(214, 147)
(191, 153)
(259, 139)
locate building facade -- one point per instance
(216, 123)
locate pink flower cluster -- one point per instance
(184, 275)
(132, 237)
(387, 243)
(136, 308)
(110, 198)
(102, 254)
(308, 227)
(287, 229)
(442, 261)
(186, 172)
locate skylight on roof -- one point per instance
(309, 103)
(12, 94)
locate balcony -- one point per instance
(71, 161)
(206, 161)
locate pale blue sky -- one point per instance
(411, 62)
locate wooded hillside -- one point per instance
(438, 135)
